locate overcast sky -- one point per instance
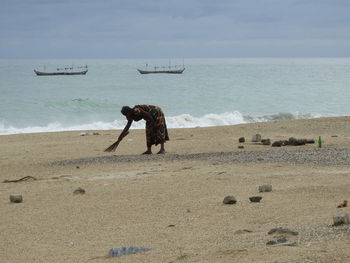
(174, 29)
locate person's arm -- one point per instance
(125, 130)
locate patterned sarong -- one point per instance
(158, 133)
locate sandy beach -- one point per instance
(173, 203)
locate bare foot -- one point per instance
(147, 152)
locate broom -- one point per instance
(114, 146)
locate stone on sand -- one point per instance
(266, 142)
(16, 198)
(265, 188)
(255, 199)
(229, 200)
(282, 231)
(79, 190)
(341, 219)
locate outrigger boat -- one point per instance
(166, 70)
(63, 71)
(174, 71)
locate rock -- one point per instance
(265, 188)
(240, 147)
(95, 133)
(343, 204)
(295, 142)
(79, 190)
(310, 141)
(121, 251)
(291, 141)
(265, 141)
(242, 231)
(341, 219)
(282, 231)
(255, 199)
(274, 242)
(278, 143)
(241, 139)
(229, 200)
(271, 242)
(83, 134)
(289, 244)
(16, 198)
(256, 138)
(280, 242)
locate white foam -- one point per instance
(188, 121)
(180, 121)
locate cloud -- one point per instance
(189, 28)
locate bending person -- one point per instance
(156, 130)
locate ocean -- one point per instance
(210, 92)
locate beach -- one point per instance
(173, 203)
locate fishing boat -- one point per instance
(173, 71)
(63, 71)
(166, 70)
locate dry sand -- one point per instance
(173, 203)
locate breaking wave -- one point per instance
(180, 121)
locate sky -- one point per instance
(174, 28)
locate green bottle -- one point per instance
(319, 142)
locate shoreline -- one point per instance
(88, 127)
(173, 203)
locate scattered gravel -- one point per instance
(326, 156)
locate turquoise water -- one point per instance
(210, 92)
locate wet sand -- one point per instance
(172, 203)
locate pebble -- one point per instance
(280, 230)
(16, 198)
(274, 242)
(79, 190)
(265, 188)
(229, 200)
(255, 199)
(242, 231)
(278, 143)
(280, 242)
(266, 142)
(340, 219)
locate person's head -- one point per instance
(126, 110)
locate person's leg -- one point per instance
(162, 149)
(148, 138)
(149, 149)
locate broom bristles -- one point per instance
(114, 146)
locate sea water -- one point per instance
(210, 92)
